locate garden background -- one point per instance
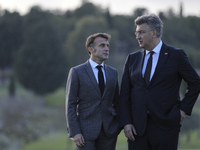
(38, 49)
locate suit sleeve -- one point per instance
(72, 89)
(190, 76)
(125, 96)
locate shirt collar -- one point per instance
(156, 49)
(94, 64)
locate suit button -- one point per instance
(147, 91)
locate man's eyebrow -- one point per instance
(104, 44)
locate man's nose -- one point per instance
(137, 36)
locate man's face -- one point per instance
(144, 36)
(100, 50)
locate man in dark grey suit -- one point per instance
(92, 93)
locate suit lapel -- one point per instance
(140, 60)
(91, 76)
(161, 60)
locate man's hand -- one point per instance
(183, 114)
(79, 140)
(129, 130)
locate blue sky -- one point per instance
(190, 7)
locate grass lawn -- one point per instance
(59, 141)
(194, 141)
(56, 98)
(53, 141)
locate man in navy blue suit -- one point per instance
(151, 111)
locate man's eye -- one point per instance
(139, 32)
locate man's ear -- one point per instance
(154, 33)
(90, 49)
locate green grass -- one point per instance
(59, 141)
(194, 141)
(48, 142)
(121, 142)
(56, 98)
(196, 108)
(3, 90)
(194, 144)
(19, 91)
(53, 141)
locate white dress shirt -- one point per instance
(95, 70)
(155, 59)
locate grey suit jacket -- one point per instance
(86, 108)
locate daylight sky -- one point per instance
(190, 7)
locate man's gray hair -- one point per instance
(153, 21)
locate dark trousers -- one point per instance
(155, 138)
(101, 143)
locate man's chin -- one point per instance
(141, 46)
(106, 58)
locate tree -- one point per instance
(87, 9)
(11, 38)
(184, 33)
(12, 88)
(11, 26)
(170, 13)
(109, 19)
(162, 16)
(139, 12)
(125, 28)
(41, 64)
(181, 10)
(75, 44)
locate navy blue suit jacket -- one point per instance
(161, 98)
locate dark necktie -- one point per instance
(101, 79)
(148, 69)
